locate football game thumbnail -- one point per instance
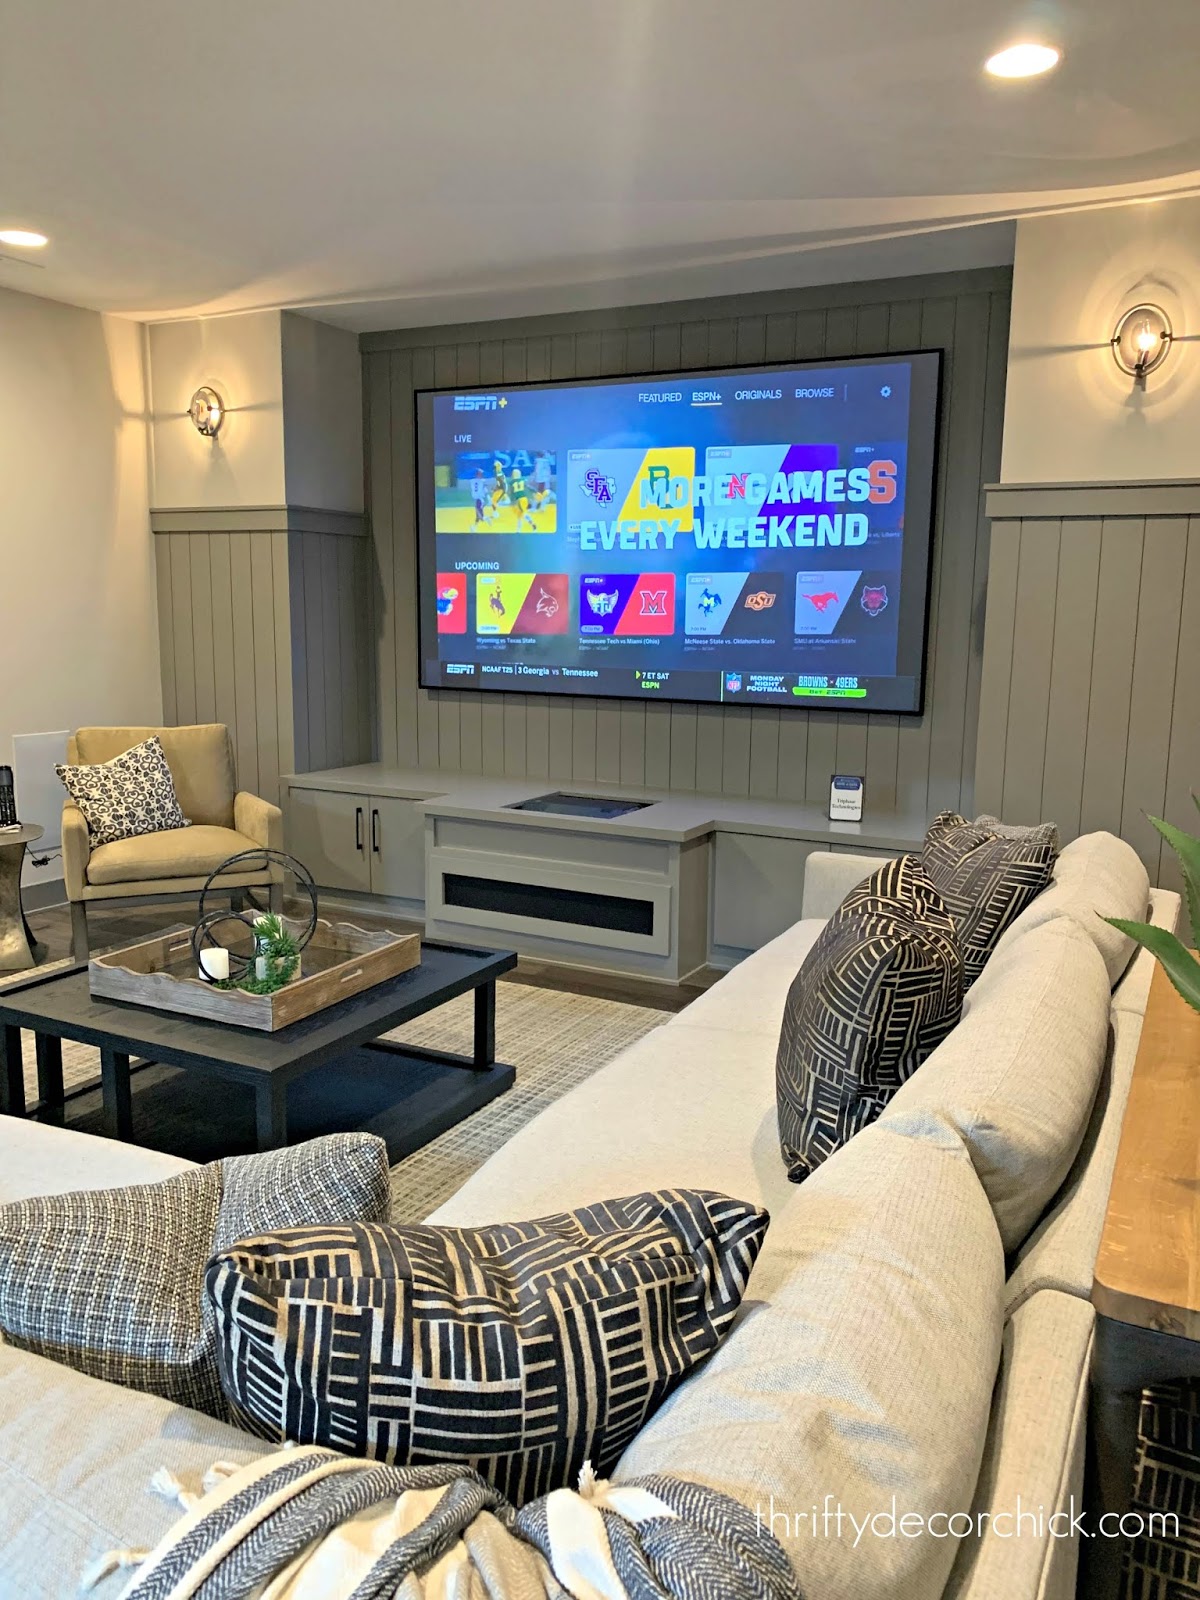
(451, 602)
(626, 604)
(521, 602)
(496, 491)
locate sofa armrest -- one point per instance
(258, 820)
(829, 878)
(76, 850)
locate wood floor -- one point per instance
(110, 928)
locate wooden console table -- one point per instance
(1146, 1286)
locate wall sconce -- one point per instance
(1142, 341)
(207, 411)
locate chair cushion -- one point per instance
(130, 795)
(110, 1281)
(522, 1350)
(986, 878)
(200, 758)
(1017, 1077)
(181, 853)
(76, 1460)
(878, 991)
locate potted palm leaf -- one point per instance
(1177, 961)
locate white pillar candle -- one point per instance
(260, 968)
(215, 963)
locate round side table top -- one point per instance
(23, 835)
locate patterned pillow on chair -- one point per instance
(987, 872)
(132, 794)
(877, 993)
(521, 1350)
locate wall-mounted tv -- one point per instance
(745, 537)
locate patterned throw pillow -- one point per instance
(521, 1350)
(877, 993)
(111, 1281)
(132, 794)
(987, 872)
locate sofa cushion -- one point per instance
(986, 878)
(187, 853)
(37, 1159)
(749, 998)
(1060, 1252)
(200, 758)
(110, 1281)
(522, 1350)
(76, 1460)
(879, 990)
(1033, 1461)
(1132, 992)
(704, 1100)
(1095, 876)
(130, 795)
(860, 1369)
(1017, 1077)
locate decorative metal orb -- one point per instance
(204, 938)
(257, 860)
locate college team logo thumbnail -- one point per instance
(618, 605)
(522, 602)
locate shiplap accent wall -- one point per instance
(267, 630)
(910, 763)
(1092, 661)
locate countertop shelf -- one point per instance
(676, 817)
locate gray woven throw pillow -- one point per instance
(111, 1281)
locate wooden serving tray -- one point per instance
(339, 961)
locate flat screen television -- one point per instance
(744, 537)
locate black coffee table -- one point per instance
(328, 1073)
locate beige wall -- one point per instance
(239, 357)
(1070, 413)
(78, 620)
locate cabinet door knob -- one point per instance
(375, 830)
(358, 833)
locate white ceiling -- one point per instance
(405, 161)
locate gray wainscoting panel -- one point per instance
(269, 632)
(926, 762)
(1091, 660)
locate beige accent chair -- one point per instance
(174, 863)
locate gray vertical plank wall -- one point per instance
(1092, 658)
(269, 633)
(927, 762)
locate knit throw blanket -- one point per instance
(308, 1524)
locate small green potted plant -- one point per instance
(1177, 961)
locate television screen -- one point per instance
(751, 537)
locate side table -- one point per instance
(1146, 1285)
(18, 947)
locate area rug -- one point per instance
(553, 1038)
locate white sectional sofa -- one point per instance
(917, 1337)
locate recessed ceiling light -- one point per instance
(23, 237)
(1023, 61)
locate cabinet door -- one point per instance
(329, 833)
(397, 843)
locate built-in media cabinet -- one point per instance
(672, 884)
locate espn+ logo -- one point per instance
(478, 402)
